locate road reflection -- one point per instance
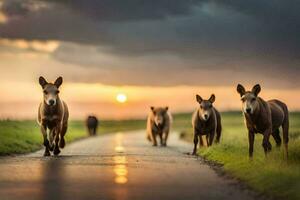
(120, 167)
(52, 183)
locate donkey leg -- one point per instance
(207, 140)
(51, 139)
(161, 139)
(62, 133)
(285, 128)
(56, 147)
(266, 141)
(251, 137)
(46, 142)
(153, 138)
(219, 131)
(91, 131)
(211, 138)
(195, 144)
(201, 141)
(165, 137)
(277, 138)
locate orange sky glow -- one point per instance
(21, 99)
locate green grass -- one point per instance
(24, 136)
(273, 175)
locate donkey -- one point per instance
(265, 117)
(206, 120)
(53, 115)
(92, 125)
(158, 124)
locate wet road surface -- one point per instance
(115, 166)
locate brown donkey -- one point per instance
(53, 115)
(264, 117)
(206, 120)
(159, 122)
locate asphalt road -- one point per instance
(115, 166)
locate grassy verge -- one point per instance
(273, 176)
(24, 136)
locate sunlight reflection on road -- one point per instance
(120, 168)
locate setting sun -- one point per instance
(121, 98)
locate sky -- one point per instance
(157, 53)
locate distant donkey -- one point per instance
(206, 120)
(264, 117)
(92, 125)
(159, 122)
(53, 115)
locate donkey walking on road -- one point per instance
(53, 116)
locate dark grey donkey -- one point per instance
(206, 121)
(265, 117)
(92, 125)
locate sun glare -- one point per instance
(121, 98)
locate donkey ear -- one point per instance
(166, 108)
(198, 98)
(212, 98)
(42, 81)
(256, 89)
(58, 82)
(152, 108)
(240, 89)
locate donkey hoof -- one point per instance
(56, 151)
(51, 147)
(269, 147)
(46, 143)
(62, 143)
(47, 153)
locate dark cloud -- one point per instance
(252, 36)
(15, 8)
(139, 26)
(136, 10)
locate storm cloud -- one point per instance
(191, 40)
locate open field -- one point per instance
(24, 136)
(273, 175)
